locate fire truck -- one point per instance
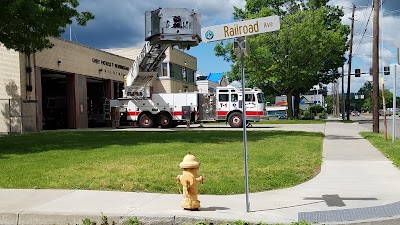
(181, 28)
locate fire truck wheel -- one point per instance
(146, 121)
(165, 120)
(235, 120)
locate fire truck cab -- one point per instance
(229, 105)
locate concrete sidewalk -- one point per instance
(356, 183)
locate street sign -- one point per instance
(240, 29)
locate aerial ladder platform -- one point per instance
(164, 27)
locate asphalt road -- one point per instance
(366, 121)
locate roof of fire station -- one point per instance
(86, 46)
(215, 77)
(130, 53)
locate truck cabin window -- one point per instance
(223, 97)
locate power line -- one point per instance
(383, 3)
(364, 18)
(393, 11)
(360, 30)
(365, 30)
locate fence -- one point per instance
(18, 116)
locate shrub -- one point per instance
(132, 221)
(307, 115)
(317, 109)
(322, 115)
(87, 221)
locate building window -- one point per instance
(164, 70)
(184, 74)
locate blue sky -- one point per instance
(120, 24)
(209, 63)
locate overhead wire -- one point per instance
(365, 30)
(383, 2)
(360, 27)
(364, 18)
(393, 11)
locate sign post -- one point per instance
(241, 42)
(239, 31)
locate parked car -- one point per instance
(355, 113)
(388, 112)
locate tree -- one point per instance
(329, 102)
(308, 48)
(26, 25)
(366, 89)
(388, 99)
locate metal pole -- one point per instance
(9, 113)
(22, 116)
(246, 170)
(343, 104)
(384, 109)
(394, 105)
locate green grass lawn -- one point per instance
(390, 150)
(149, 161)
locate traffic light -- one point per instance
(386, 70)
(358, 72)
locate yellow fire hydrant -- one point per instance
(189, 181)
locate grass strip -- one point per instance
(389, 149)
(149, 161)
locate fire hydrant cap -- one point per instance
(189, 162)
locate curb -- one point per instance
(65, 219)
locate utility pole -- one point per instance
(350, 59)
(334, 94)
(333, 99)
(375, 69)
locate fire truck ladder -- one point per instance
(144, 68)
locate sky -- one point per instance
(120, 24)
(362, 45)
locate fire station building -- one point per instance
(65, 87)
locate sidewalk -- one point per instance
(356, 182)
